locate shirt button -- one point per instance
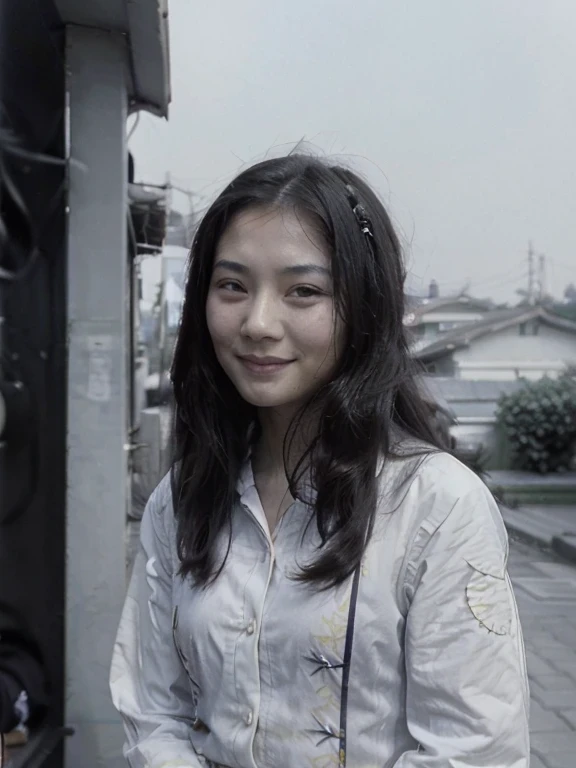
(249, 717)
(251, 628)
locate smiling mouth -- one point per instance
(264, 365)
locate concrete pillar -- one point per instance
(97, 305)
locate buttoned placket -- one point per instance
(250, 503)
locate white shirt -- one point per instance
(245, 673)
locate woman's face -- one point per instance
(270, 309)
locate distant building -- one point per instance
(429, 318)
(178, 230)
(502, 345)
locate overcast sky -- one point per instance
(461, 112)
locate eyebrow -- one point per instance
(233, 266)
(297, 269)
(307, 269)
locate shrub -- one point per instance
(540, 423)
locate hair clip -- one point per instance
(359, 212)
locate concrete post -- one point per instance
(98, 330)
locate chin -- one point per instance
(265, 399)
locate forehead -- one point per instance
(273, 235)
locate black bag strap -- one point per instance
(346, 667)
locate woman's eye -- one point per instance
(230, 285)
(305, 292)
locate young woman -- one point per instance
(318, 584)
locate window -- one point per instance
(529, 328)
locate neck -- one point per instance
(276, 426)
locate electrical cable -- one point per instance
(560, 264)
(491, 279)
(20, 210)
(23, 272)
(517, 278)
(134, 126)
(13, 203)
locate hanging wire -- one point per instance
(134, 126)
(26, 246)
(560, 264)
(29, 243)
(512, 273)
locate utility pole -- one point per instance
(169, 196)
(530, 295)
(190, 220)
(541, 278)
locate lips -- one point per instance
(262, 366)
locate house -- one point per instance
(429, 318)
(504, 345)
(473, 406)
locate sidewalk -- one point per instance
(545, 589)
(552, 526)
(540, 509)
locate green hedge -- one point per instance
(539, 421)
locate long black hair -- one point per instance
(373, 390)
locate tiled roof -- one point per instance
(472, 399)
(496, 320)
(420, 306)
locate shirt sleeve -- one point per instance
(149, 684)
(467, 701)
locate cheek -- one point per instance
(220, 322)
(319, 334)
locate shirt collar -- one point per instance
(307, 491)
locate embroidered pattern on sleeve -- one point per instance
(488, 598)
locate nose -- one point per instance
(262, 320)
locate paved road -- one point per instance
(546, 593)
